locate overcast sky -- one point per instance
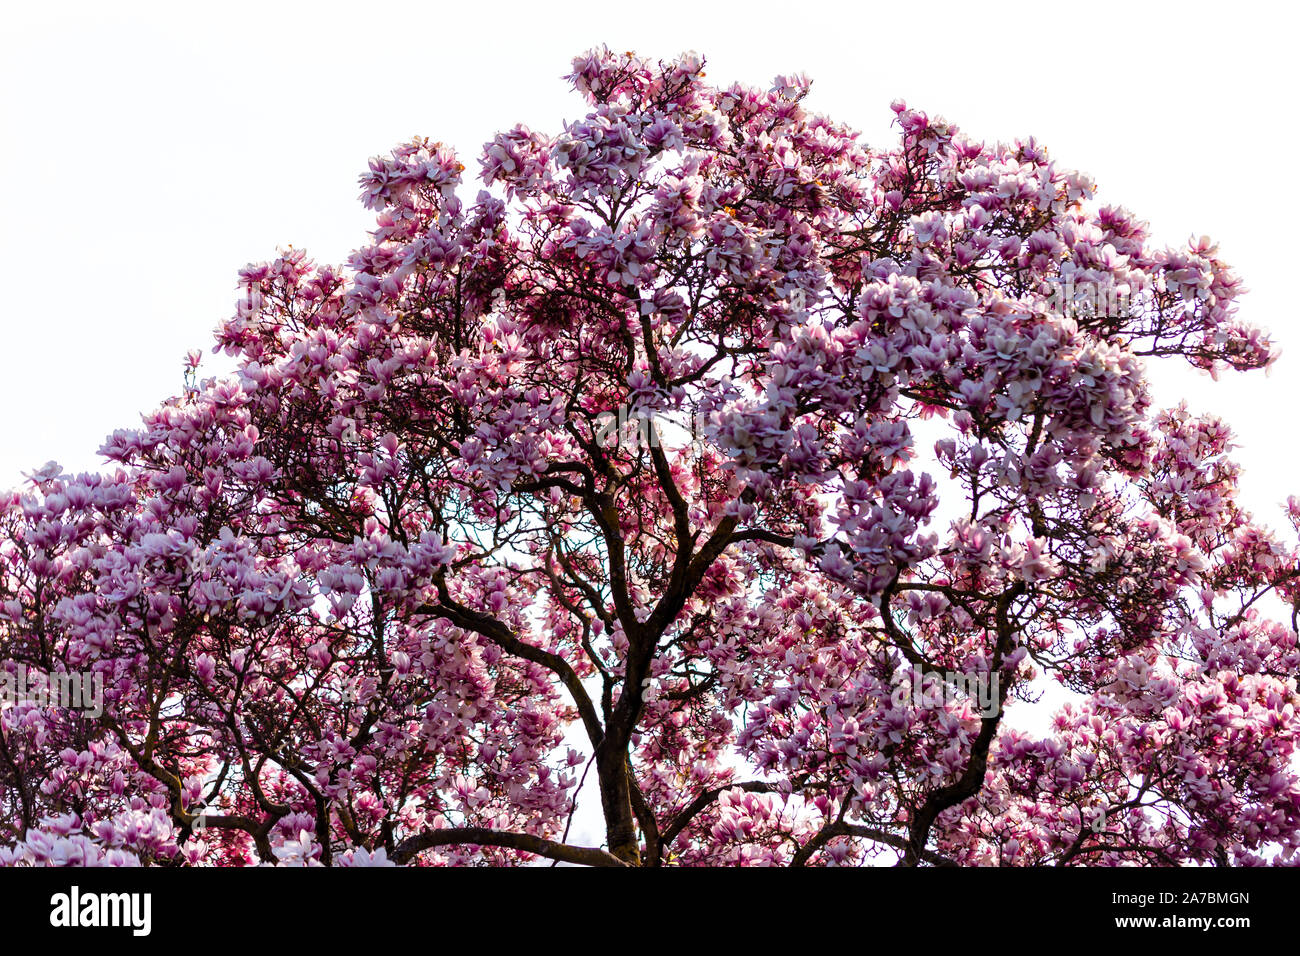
(151, 150)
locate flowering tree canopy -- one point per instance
(694, 464)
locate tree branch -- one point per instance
(481, 836)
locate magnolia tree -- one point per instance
(707, 467)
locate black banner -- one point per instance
(145, 907)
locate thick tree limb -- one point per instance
(481, 836)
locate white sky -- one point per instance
(148, 151)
